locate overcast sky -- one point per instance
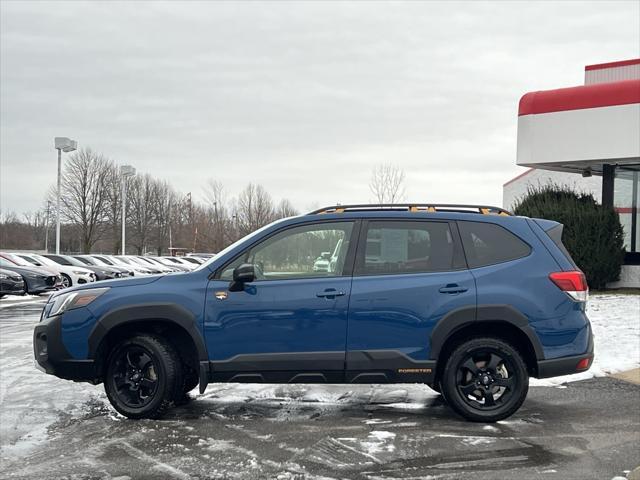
(303, 98)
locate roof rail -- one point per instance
(415, 207)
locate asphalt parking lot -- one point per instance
(56, 429)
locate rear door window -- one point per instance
(397, 247)
(489, 244)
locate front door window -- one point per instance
(307, 251)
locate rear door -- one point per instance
(408, 274)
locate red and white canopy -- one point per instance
(574, 128)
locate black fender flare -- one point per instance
(464, 316)
(166, 312)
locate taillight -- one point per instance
(573, 283)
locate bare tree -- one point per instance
(114, 207)
(163, 199)
(254, 209)
(140, 191)
(387, 183)
(84, 194)
(285, 209)
(214, 193)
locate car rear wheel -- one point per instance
(143, 376)
(485, 380)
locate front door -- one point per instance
(408, 275)
(290, 324)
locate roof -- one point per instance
(526, 172)
(576, 98)
(414, 208)
(621, 63)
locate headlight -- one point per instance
(3, 276)
(79, 272)
(71, 300)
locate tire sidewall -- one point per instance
(68, 278)
(454, 397)
(166, 380)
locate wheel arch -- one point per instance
(499, 321)
(172, 321)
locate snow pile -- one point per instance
(615, 320)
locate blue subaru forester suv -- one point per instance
(469, 300)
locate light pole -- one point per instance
(126, 171)
(67, 145)
(46, 228)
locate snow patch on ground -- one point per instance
(615, 320)
(379, 441)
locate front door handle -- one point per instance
(330, 293)
(453, 289)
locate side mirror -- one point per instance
(242, 274)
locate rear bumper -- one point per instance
(556, 367)
(52, 357)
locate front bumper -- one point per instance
(12, 287)
(556, 367)
(53, 358)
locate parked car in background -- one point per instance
(71, 275)
(194, 260)
(136, 263)
(104, 259)
(178, 262)
(203, 256)
(91, 260)
(138, 269)
(102, 273)
(11, 283)
(36, 279)
(14, 258)
(153, 263)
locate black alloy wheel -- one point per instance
(143, 376)
(485, 380)
(135, 376)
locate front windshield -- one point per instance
(104, 260)
(224, 251)
(99, 262)
(18, 261)
(45, 261)
(75, 261)
(30, 260)
(7, 263)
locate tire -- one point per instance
(485, 380)
(66, 280)
(143, 376)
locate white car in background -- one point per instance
(135, 266)
(71, 274)
(174, 265)
(179, 262)
(117, 262)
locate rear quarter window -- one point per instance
(489, 244)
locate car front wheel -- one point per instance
(485, 380)
(66, 281)
(143, 376)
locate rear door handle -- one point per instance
(453, 289)
(330, 293)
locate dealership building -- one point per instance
(587, 137)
